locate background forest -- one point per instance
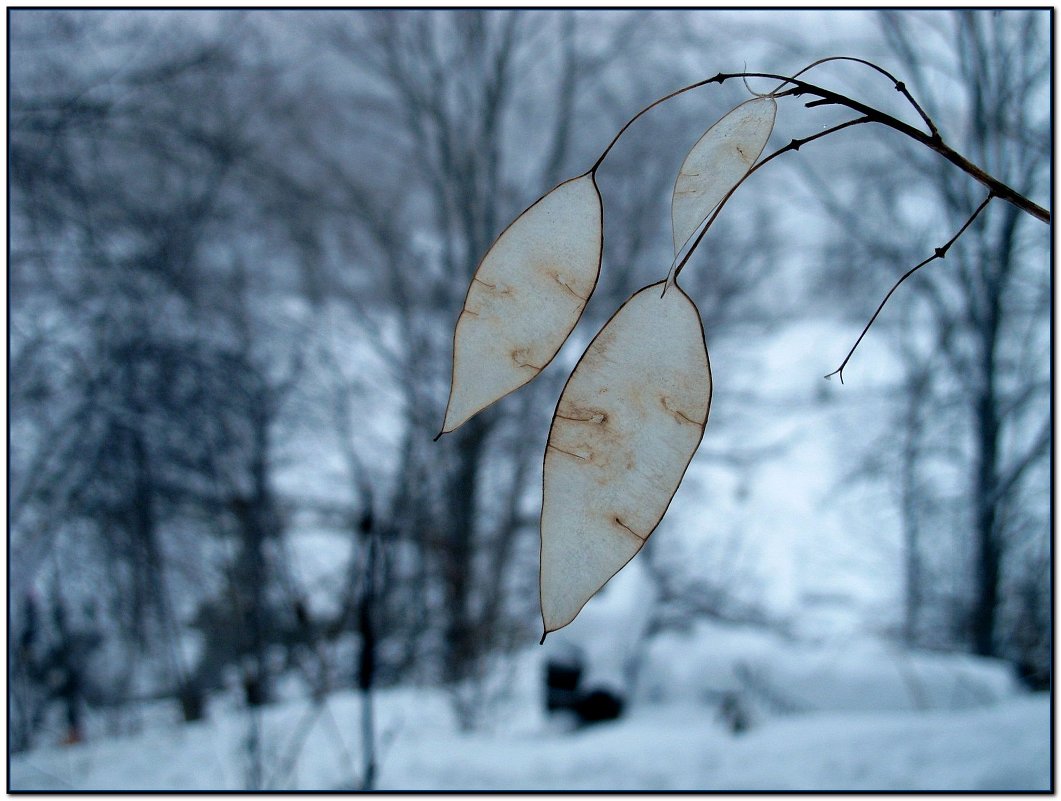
(238, 243)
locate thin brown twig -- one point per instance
(592, 170)
(940, 253)
(936, 143)
(899, 85)
(931, 140)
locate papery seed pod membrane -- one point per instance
(717, 163)
(527, 295)
(630, 418)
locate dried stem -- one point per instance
(822, 96)
(931, 140)
(592, 170)
(940, 253)
(899, 85)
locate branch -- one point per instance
(934, 142)
(940, 253)
(899, 85)
(931, 140)
(1039, 448)
(636, 117)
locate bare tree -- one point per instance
(158, 431)
(473, 115)
(973, 336)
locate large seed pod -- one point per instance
(527, 295)
(630, 418)
(717, 163)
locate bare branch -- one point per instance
(936, 143)
(1039, 448)
(940, 253)
(931, 140)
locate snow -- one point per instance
(855, 674)
(608, 630)
(995, 739)
(672, 747)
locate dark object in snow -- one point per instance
(192, 702)
(598, 706)
(64, 667)
(562, 694)
(755, 685)
(731, 711)
(253, 691)
(1036, 678)
(561, 685)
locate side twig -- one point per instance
(940, 253)
(899, 85)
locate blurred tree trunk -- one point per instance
(450, 85)
(135, 192)
(974, 330)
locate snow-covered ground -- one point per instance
(938, 723)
